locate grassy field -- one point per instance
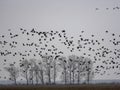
(62, 87)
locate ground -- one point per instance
(63, 87)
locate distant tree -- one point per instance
(13, 71)
(48, 65)
(25, 70)
(72, 66)
(41, 71)
(88, 64)
(63, 65)
(55, 68)
(80, 68)
(70, 63)
(34, 69)
(76, 66)
(31, 72)
(31, 77)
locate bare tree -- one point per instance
(63, 64)
(41, 71)
(72, 65)
(34, 69)
(70, 69)
(25, 70)
(31, 72)
(76, 66)
(13, 71)
(55, 67)
(88, 68)
(48, 65)
(80, 68)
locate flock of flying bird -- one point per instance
(44, 45)
(114, 8)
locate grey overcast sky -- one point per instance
(71, 15)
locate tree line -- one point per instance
(51, 69)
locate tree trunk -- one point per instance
(36, 78)
(65, 76)
(78, 73)
(78, 77)
(15, 81)
(32, 77)
(70, 74)
(42, 77)
(54, 72)
(73, 76)
(49, 76)
(88, 79)
(26, 78)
